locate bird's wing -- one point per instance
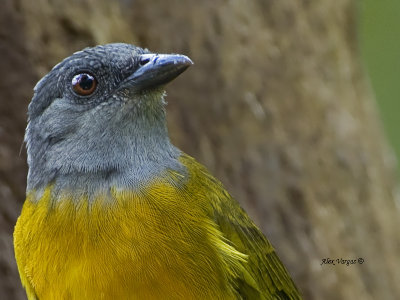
(264, 276)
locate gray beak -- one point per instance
(158, 69)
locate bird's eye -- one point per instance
(84, 84)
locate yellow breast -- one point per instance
(158, 244)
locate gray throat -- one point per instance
(92, 151)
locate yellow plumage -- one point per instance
(161, 242)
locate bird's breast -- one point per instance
(149, 244)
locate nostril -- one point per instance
(144, 61)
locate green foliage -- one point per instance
(380, 46)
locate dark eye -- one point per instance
(84, 84)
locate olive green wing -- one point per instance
(264, 276)
(263, 265)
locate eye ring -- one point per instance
(84, 84)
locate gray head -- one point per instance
(99, 116)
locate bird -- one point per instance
(113, 209)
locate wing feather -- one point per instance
(263, 276)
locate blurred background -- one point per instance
(380, 49)
(292, 104)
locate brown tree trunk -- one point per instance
(276, 105)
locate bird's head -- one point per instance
(100, 110)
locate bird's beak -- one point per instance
(158, 69)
